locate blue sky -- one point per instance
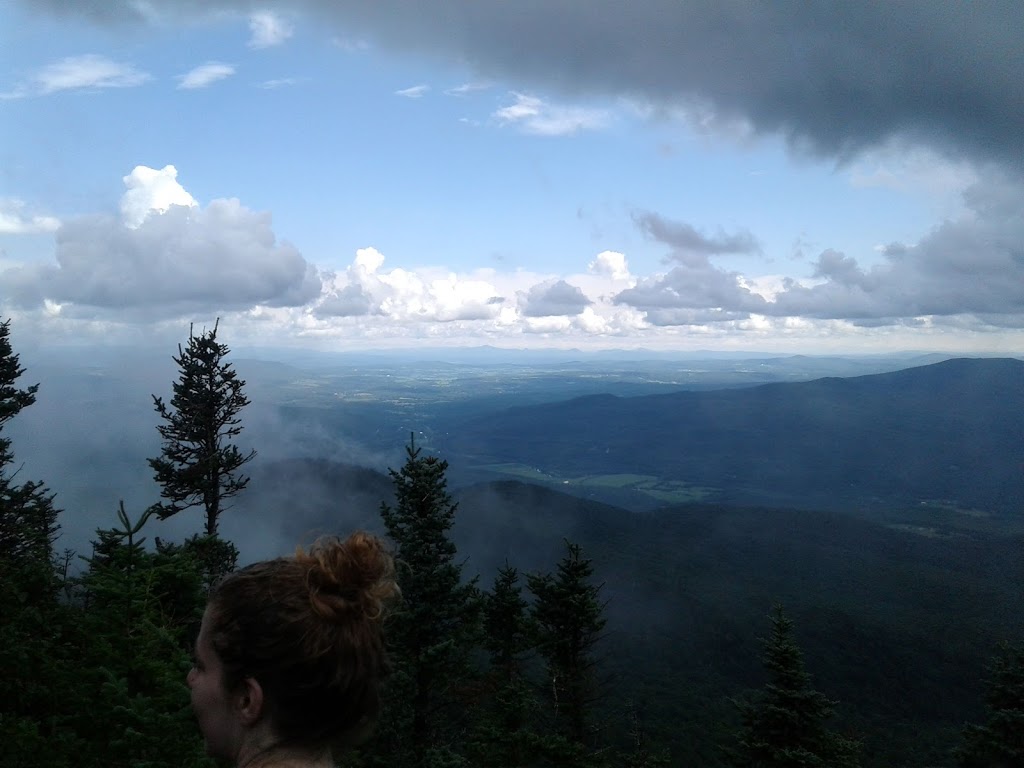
(343, 175)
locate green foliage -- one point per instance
(569, 617)
(28, 519)
(1000, 741)
(198, 464)
(433, 635)
(785, 726)
(642, 754)
(505, 735)
(140, 610)
(37, 675)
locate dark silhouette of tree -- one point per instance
(28, 519)
(505, 735)
(569, 618)
(785, 726)
(199, 464)
(432, 636)
(999, 743)
(38, 675)
(140, 612)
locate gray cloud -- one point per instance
(554, 297)
(684, 238)
(221, 257)
(351, 301)
(971, 265)
(832, 78)
(693, 293)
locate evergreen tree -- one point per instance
(642, 755)
(569, 618)
(28, 519)
(785, 726)
(198, 464)
(140, 611)
(38, 676)
(1000, 742)
(505, 736)
(432, 636)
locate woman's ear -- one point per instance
(249, 701)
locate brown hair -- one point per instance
(308, 629)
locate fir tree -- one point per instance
(436, 629)
(505, 736)
(642, 754)
(140, 610)
(569, 617)
(198, 464)
(38, 675)
(786, 725)
(999, 743)
(28, 519)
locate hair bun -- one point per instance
(354, 576)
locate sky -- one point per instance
(660, 174)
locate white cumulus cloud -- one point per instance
(165, 257)
(205, 75)
(150, 190)
(610, 263)
(404, 296)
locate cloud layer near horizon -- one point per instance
(167, 256)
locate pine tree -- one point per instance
(199, 465)
(785, 726)
(1000, 742)
(569, 618)
(432, 636)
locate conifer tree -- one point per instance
(505, 736)
(1000, 741)
(432, 635)
(786, 725)
(36, 668)
(569, 618)
(140, 610)
(28, 519)
(199, 464)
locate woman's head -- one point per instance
(306, 632)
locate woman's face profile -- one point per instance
(211, 702)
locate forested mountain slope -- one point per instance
(948, 431)
(896, 625)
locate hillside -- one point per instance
(897, 626)
(948, 431)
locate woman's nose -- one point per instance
(190, 677)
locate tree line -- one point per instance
(506, 675)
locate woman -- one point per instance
(290, 655)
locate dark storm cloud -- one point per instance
(685, 238)
(554, 298)
(833, 78)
